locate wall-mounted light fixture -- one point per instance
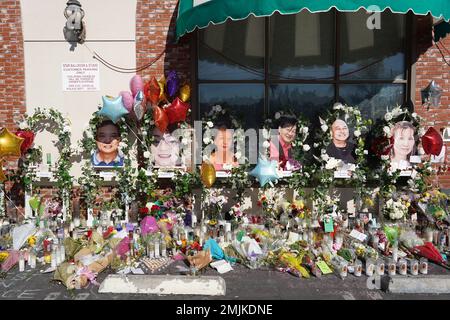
(431, 95)
(75, 30)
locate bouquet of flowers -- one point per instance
(214, 203)
(396, 209)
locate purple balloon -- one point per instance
(149, 225)
(173, 83)
(127, 100)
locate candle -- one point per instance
(423, 267)
(370, 267)
(49, 159)
(414, 267)
(358, 268)
(21, 262)
(402, 267)
(392, 267)
(380, 268)
(156, 248)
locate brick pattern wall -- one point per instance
(155, 33)
(430, 65)
(12, 72)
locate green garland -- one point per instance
(238, 179)
(53, 121)
(326, 165)
(300, 179)
(90, 182)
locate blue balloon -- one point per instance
(265, 171)
(113, 108)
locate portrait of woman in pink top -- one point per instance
(281, 146)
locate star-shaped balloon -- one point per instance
(177, 111)
(265, 171)
(113, 108)
(10, 144)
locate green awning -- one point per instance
(199, 14)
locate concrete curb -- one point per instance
(163, 284)
(416, 284)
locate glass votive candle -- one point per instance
(358, 268)
(392, 267)
(423, 266)
(379, 270)
(402, 267)
(375, 241)
(370, 267)
(414, 267)
(343, 270)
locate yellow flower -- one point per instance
(31, 241)
(3, 256)
(369, 202)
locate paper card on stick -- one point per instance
(328, 223)
(358, 235)
(324, 267)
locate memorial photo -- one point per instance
(340, 146)
(107, 138)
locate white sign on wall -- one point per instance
(82, 76)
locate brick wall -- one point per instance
(430, 65)
(155, 33)
(12, 76)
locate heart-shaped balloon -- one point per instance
(127, 100)
(208, 174)
(160, 118)
(136, 85)
(432, 142)
(28, 137)
(152, 91)
(177, 111)
(34, 203)
(185, 93)
(139, 105)
(173, 83)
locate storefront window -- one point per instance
(304, 62)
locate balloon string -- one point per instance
(134, 133)
(10, 200)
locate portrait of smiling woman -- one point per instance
(403, 145)
(165, 150)
(107, 138)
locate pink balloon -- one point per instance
(149, 225)
(123, 247)
(136, 85)
(127, 100)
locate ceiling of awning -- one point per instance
(198, 14)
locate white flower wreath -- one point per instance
(53, 121)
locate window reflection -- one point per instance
(232, 51)
(372, 54)
(372, 99)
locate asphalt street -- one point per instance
(241, 283)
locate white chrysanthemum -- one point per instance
(421, 132)
(147, 155)
(332, 163)
(357, 133)
(266, 133)
(184, 141)
(366, 152)
(218, 108)
(338, 106)
(266, 144)
(306, 147)
(414, 115)
(387, 131)
(66, 129)
(388, 116)
(23, 125)
(384, 157)
(305, 130)
(315, 144)
(144, 133)
(325, 157)
(210, 124)
(122, 144)
(324, 127)
(238, 155)
(206, 140)
(277, 115)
